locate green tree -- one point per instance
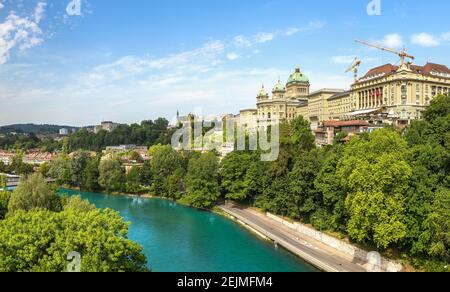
(376, 174)
(133, 182)
(304, 197)
(145, 174)
(4, 201)
(439, 108)
(34, 193)
(60, 170)
(332, 192)
(165, 161)
(19, 167)
(40, 240)
(202, 181)
(435, 127)
(78, 165)
(76, 203)
(435, 236)
(134, 156)
(258, 178)
(176, 185)
(91, 175)
(276, 198)
(302, 137)
(3, 182)
(111, 176)
(233, 174)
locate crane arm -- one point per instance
(354, 65)
(349, 69)
(378, 47)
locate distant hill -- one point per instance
(32, 128)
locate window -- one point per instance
(404, 115)
(404, 93)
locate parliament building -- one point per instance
(386, 95)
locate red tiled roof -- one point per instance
(337, 124)
(430, 67)
(389, 69)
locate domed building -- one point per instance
(288, 100)
(297, 85)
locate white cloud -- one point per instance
(264, 37)
(393, 40)
(20, 32)
(317, 24)
(232, 56)
(446, 36)
(312, 25)
(343, 59)
(425, 40)
(201, 59)
(241, 41)
(39, 11)
(291, 31)
(137, 84)
(428, 40)
(327, 80)
(349, 59)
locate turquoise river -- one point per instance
(181, 239)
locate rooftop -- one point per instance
(430, 69)
(339, 95)
(327, 90)
(337, 124)
(298, 77)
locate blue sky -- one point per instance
(133, 60)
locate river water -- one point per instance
(181, 239)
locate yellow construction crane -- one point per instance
(354, 67)
(403, 55)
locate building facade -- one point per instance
(398, 94)
(106, 126)
(285, 101)
(318, 106)
(388, 94)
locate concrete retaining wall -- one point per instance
(340, 245)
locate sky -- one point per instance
(79, 62)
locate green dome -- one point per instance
(279, 87)
(298, 77)
(263, 92)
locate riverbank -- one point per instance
(199, 241)
(315, 252)
(322, 257)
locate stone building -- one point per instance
(285, 101)
(393, 95)
(398, 94)
(318, 106)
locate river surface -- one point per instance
(181, 239)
